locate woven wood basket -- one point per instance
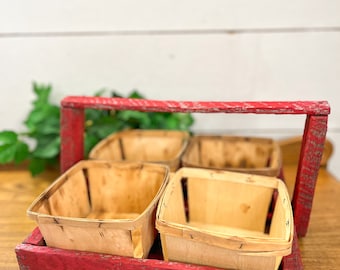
(160, 146)
(220, 219)
(101, 206)
(236, 153)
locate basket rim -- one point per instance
(127, 223)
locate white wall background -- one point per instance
(184, 50)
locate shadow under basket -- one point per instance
(225, 219)
(101, 206)
(234, 153)
(160, 146)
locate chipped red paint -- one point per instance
(293, 261)
(35, 238)
(32, 254)
(258, 107)
(307, 173)
(72, 138)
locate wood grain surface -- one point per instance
(17, 191)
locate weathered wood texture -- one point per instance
(291, 146)
(293, 261)
(72, 123)
(72, 134)
(34, 255)
(258, 107)
(309, 164)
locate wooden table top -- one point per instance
(320, 249)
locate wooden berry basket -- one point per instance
(234, 153)
(34, 254)
(225, 214)
(160, 146)
(102, 206)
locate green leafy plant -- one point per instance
(43, 129)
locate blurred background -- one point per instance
(227, 50)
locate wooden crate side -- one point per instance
(282, 218)
(275, 162)
(235, 153)
(228, 204)
(154, 145)
(148, 232)
(125, 188)
(108, 149)
(172, 199)
(66, 196)
(86, 238)
(190, 251)
(42, 257)
(71, 198)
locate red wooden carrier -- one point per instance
(34, 254)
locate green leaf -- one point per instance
(8, 137)
(104, 128)
(52, 126)
(134, 119)
(90, 142)
(37, 166)
(186, 120)
(22, 152)
(135, 94)
(93, 114)
(43, 114)
(7, 153)
(157, 120)
(43, 93)
(47, 149)
(43, 125)
(11, 149)
(171, 122)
